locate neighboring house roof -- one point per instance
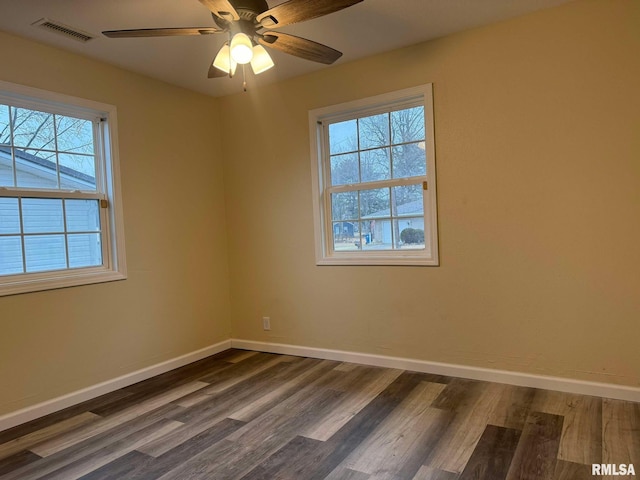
(45, 166)
(404, 210)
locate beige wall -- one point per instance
(537, 123)
(538, 148)
(176, 299)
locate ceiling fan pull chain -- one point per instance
(244, 80)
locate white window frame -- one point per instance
(319, 120)
(107, 191)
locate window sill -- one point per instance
(389, 260)
(55, 280)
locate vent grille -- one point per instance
(62, 29)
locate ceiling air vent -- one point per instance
(62, 29)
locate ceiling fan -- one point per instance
(247, 23)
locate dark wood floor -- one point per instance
(247, 415)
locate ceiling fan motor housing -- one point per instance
(247, 10)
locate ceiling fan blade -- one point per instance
(216, 72)
(222, 9)
(295, 11)
(160, 32)
(300, 47)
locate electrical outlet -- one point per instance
(266, 323)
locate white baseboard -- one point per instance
(41, 409)
(606, 390)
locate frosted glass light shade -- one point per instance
(241, 48)
(261, 61)
(224, 62)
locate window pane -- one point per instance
(9, 215)
(343, 137)
(374, 131)
(82, 215)
(42, 215)
(344, 169)
(5, 130)
(376, 234)
(375, 165)
(407, 125)
(374, 203)
(74, 135)
(407, 201)
(345, 236)
(84, 250)
(36, 169)
(45, 252)
(411, 233)
(6, 167)
(33, 129)
(77, 172)
(344, 206)
(409, 160)
(10, 255)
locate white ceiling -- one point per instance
(370, 27)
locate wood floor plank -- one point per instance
(573, 471)
(148, 388)
(293, 460)
(139, 466)
(122, 468)
(513, 407)
(49, 447)
(286, 421)
(346, 367)
(254, 443)
(227, 378)
(80, 450)
(113, 451)
(249, 412)
(459, 394)
(396, 444)
(428, 473)
(28, 441)
(347, 474)
(201, 417)
(363, 389)
(492, 456)
(621, 432)
(273, 376)
(581, 440)
(249, 364)
(536, 455)
(56, 417)
(354, 432)
(307, 458)
(240, 355)
(16, 461)
(472, 415)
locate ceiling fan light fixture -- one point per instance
(241, 48)
(224, 61)
(261, 61)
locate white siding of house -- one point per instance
(10, 255)
(6, 174)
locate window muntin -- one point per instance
(374, 180)
(60, 217)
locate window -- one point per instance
(374, 189)
(60, 212)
